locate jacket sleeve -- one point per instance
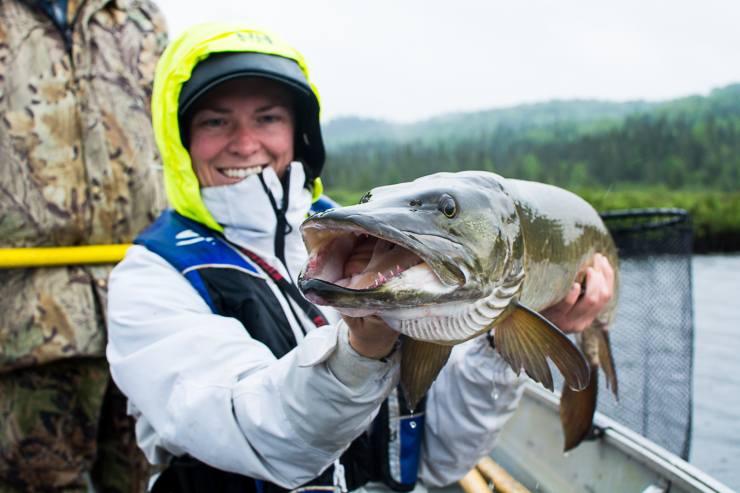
(468, 405)
(199, 384)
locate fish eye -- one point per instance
(366, 198)
(447, 206)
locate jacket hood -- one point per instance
(173, 70)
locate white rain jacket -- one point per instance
(198, 384)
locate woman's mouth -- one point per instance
(240, 173)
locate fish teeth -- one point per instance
(241, 172)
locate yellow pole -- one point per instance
(46, 257)
(473, 482)
(501, 480)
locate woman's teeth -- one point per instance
(241, 172)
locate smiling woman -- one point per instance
(239, 128)
(236, 380)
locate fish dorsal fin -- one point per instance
(526, 339)
(421, 362)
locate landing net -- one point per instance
(653, 336)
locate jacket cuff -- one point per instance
(352, 369)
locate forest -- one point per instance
(683, 153)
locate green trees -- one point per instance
(692, 143)
(684, 153)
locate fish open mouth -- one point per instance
(357, 260)
(346, 259)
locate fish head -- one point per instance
(440, 240)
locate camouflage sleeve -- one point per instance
(152, 12)
(147, 44)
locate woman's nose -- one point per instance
(245, 142)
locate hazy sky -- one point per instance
(407, 60)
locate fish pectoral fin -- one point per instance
(421, 362)
(607, 362)
(526, 339)
(577, 411)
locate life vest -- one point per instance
(235, 285)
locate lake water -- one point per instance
(715, 442)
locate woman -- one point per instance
(235, 380)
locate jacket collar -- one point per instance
(249, 220)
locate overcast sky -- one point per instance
(407, 60)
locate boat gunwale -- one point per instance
(666, 464)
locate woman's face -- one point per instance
(240, 127)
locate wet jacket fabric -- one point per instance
(76, 154)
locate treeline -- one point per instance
(688, 144)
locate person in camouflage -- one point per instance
(77, 167)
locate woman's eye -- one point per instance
(446, 205)
(214, 122)
(269, 118)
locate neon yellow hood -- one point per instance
(173, 70)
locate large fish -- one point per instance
(449, 256)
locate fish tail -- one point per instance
(577, 410)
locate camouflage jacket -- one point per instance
(77, 159)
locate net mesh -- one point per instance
(652, 338)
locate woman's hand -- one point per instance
(573, 314)
(370, 336)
